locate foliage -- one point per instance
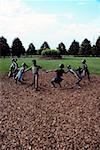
(62, 48)
(31, 49)
(93, 49)
(17, 48)
(44, 46)
(98, 46)
(39, 51)
(85, 48)
(51, 53)
(4, 47)
(74, 48)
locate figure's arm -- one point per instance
(11, 66)
(39, 67)
(16, 67)
(67, 71)
(47, 71)
(70, 71)
(28, 69)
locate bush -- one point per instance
(39, 51)
(51, 53)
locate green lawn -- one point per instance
(93, 63)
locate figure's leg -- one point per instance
(83, 73)
(79, 78)
(14, 74)
(59, 84)
(78, 82)
(52, 82)
(10, 74)
(88, 74)
(33, 83)
(59, 81)
(37, 79)
(16, 79)
(20, 79)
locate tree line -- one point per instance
(17, 48)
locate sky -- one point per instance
(54, 21)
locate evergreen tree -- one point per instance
(44, 46)
(98, 46)
(62, 48)
(4, 47)
(85, 48)
(93, 50)
(31, 49)
(17, 48)
(74, 48)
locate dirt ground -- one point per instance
(66, 118)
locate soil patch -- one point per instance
(66, 118)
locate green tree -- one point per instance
(31, 49)
(44, 46)
(17, 48)
(98, 46)
(85, 48)
(93, 49)
(62, 48)
(4, 47)
(74, 48)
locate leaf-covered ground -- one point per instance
(66, 118)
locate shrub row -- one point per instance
(51, 52)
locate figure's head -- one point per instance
(79, 68)
(83, 61)
(34, 61)
(14, 59)
(69, 66)
(24, 65)
(61, 65)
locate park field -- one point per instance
(93, 63)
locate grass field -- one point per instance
(93, 63)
